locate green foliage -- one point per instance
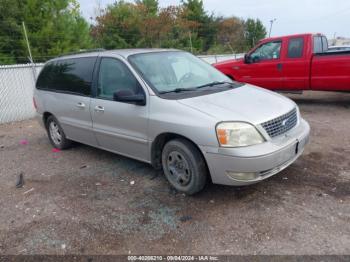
(187, 26)
(151, 6)
(254, 32)
(118, 27)
(11, 44)
(56, 26)
(195, 10)
(53, 27)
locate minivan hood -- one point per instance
(246, 103)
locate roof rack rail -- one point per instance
(83, 51)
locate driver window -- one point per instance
(267, 51)
(114, 77)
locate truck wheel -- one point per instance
(56, 135)
(184, 166)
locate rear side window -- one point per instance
(68, 75)
(317, 44)
(295, 47)
(324, 44)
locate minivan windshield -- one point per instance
(176, 71)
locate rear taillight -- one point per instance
(35, 105)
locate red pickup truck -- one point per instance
(294, 62)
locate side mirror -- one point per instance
(127, 96)
(247, 59)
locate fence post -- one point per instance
(30, 52)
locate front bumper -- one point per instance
(258, 162)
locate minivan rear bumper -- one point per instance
(249, 165)
(39, 119)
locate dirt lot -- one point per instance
(83, 200)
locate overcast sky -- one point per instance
(292, 16)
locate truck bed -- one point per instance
(345, 52)
(331, 71)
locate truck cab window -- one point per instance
(267, 51)
(295, 47)
(318, 44)
(324, 44)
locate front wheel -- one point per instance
(184, 166)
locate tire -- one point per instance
(184, 166)
(56, 134)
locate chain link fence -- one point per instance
(211, 59)
(16, 92)
(17, 84)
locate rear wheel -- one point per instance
(184, 166)
(56, 135)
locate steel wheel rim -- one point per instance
(179, 168)
(55, 133)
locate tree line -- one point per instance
(56, 27)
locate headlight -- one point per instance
(236, 134)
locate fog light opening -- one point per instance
(242, 176)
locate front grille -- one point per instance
(281, 124)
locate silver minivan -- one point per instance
(172, 110)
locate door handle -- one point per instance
(279, 67)
(80, 105)
(99, 108)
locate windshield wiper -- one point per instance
(214, 84)
(178, 90)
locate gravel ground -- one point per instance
(88, 201)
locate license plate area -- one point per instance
(297, 148)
